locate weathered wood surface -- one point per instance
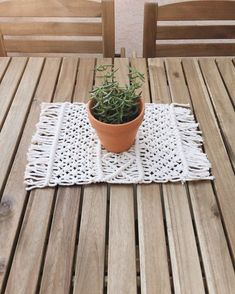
(117, 238)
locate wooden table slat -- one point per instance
(214, 146)
(157, 238)
(4, 61)
(221, 102)
(215, 254)
(90, 260)
(57, 271)
(85, 79)
(121, 251)
(32, 236)
(186, 270)
(121, 254)
(154, 272)
(89, 273)
(227, 70)
(17, 115)
(9, 85)
(58, 266)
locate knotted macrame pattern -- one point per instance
(65, 149)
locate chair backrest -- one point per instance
(57, 26)
(181, 29)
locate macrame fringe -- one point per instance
(196, 163)
(41, 152)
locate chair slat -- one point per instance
(149, 37)
(52, 28)
(197, 10)
(42, 46)
(57, 18)
(186, 50)
(50, 8)
(108, 28)
(191, 11)
(195, 32)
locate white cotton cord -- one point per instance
(179, 142)
(195, 161)
(138, 160)
(55, 141)
(100, 175)
(41, 153)
(120, 169)
(65, 149)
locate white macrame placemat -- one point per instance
(66, 151)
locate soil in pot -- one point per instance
(116, 137)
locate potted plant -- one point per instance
(116, 112)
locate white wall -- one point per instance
(129, 25)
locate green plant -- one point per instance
(114, 104)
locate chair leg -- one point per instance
(123, 52)
(134, 54)
(2, 47)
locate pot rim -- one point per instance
(116, 125)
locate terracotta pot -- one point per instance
(116, 137)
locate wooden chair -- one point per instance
(44, 27)
(166, 32)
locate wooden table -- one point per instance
(117, 238)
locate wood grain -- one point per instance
(185, 264)
(57, 271)
(108, 28)
(4, 61)
(44, 248)
(50, 27)
(53, 46)
(2, 47)
(121, 251)
(141, 65)
(195, 10)
(42, 8)
(65, 86)
(26, 264)
(227, 70)
(211, 228)
(221, 102)
(37, 20)
(17, 115)
(221, 167)
(158, 82)
(195, 49)
(9, 85)
(149, 35)
(85, 79)
(154, 271)
(169, 32)
(156, 28)
(121, 255)
(14, 199)
(89, 273)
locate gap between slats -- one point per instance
(21, 214)
(188, 203)
(212, 182)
